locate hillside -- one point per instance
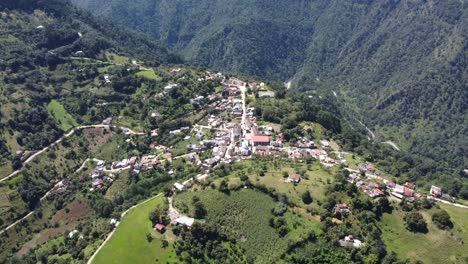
(42, 45)
(104, 137)
(397, 66)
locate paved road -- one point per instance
(112, 233)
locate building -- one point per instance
(237, 131)
(410, 185)
(160, 228)
(296, 178)
(179, 186)
(325, 143)
(407, 192)
(169, 87)
(350, 241)
(261, 140)
(341, 208)
(184, 220)
(435, 191)
(266, 94)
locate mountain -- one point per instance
(39, 40)
(397, 66)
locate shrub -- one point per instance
(442, 220)
(415, 222)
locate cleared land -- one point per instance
(150, 74)
(63, 119)
(129, 243)
(430, 247)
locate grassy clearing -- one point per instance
(116, 58)
(150, 74)
(119, 184)
(5, 169)
(430, 247)
(129, 243)
(63, 119)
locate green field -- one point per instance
(315, 180)
(437, 246)
(129, 243)
(150, 74)
(244, 216)
(63, 119)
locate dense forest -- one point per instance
(397, 66)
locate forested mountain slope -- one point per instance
(39, 41)
(397, 66)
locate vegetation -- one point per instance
(415, 222)
(129, 242)
(243, 216)
(321, 46)
(424, 246)
(442, 220)
(64, 120)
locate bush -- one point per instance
(415, 222)
(442, 220)
(306, 197)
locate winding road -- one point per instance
(42, 198)
(71, 132)
(113, 231)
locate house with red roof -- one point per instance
(160, 228)
(261, 140)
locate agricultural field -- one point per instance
(429, 247)
(244, 215)
(315, 178)
(150, 74)
(63, 119)
(129, 243)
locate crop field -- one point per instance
(429, 247)
(63, 119)
(244, 215)
(129, 243)
(315, 180)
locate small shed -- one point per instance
(160, 228)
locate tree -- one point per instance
(164, 243)
(199, 211)
(149, 237)
(415, 222)
(442, 219)
(104, 207)
(158, 216)
(306, 197)
(223, 186)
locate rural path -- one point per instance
(447, 202)
(112, 233)
(42, 198)
(172, 212)
(71, 132)
(391, 143)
